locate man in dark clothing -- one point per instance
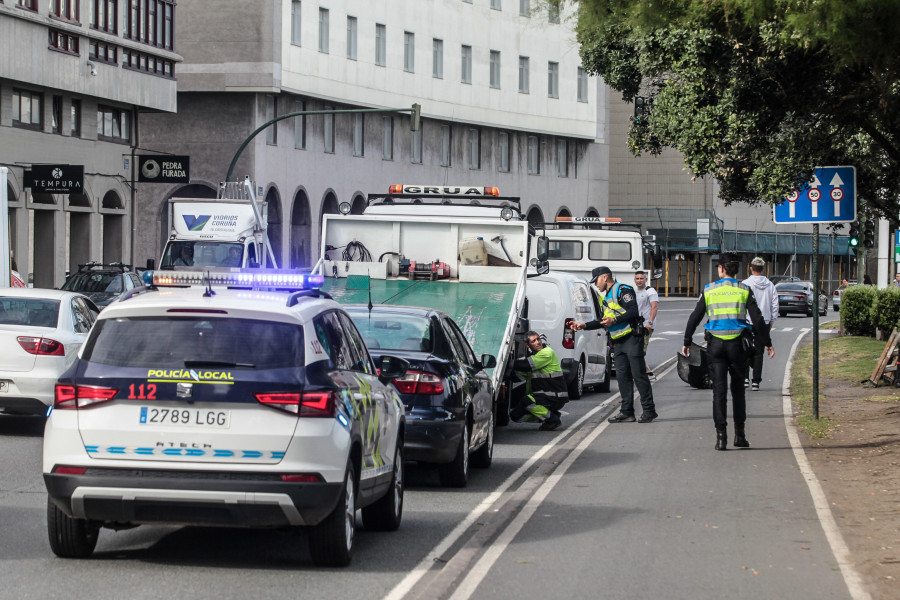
(727, 302)
(545, 390)
(623, 322)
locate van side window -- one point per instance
(603, 250)
(565, 250)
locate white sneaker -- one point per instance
(746, 383)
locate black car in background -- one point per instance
(797, 297)
(448, 395)
(102, 283)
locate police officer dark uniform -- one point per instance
(546, 391)
(623, 322)
(726, 303)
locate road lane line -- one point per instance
(826, 518)
(480, 569)
(405, 585)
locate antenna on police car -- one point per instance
(370, 291)
(209, 291)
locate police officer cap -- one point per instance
(598, 271)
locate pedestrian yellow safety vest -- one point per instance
(611, 310)
(726, 308)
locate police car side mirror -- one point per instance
(543, 249)
(392, 367)
(488, 361)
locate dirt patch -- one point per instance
(859, 469)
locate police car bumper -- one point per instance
(191, 498)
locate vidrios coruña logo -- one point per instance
(196, 222)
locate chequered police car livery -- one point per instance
(210, 405)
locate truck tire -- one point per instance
(501, 419)
(456, 472)
(331, 541)
(385, 513)
(481, 458)
(576, 388)
(70, 537)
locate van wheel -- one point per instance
(331, 541)
(70, 537)
(456, 472)
(603, 386)
(576, 388)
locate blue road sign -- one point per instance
(829, 198)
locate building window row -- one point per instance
(140, 61)
(104, 52)
(63, 42)
(105, 15)
(64, 9)
(113, 124)
(151, 22)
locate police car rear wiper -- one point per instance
(216, 363)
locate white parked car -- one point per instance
(217, 406)
(40, 334)
(555, 300)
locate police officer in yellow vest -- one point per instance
(623, 322)
(726, 303)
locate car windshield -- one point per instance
(791, 287)
(166, 342)
(88, 283)
(394, 331)
(202, 254)
(35, 312)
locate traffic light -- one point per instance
(869, 241)
(641, 108)
(854, 234)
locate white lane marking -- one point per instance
(670, 333)
(826, 518)
(400, 590)
(476, 574)
(804, 330)
(786, 329)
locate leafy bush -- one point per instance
(886, 309)
(856, 309)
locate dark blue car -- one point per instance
(448, 395)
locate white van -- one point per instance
(555, 300)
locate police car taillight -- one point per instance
(255, 278)
(301, 478)
(81, 396)
(310, 404)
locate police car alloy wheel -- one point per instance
(385, 514)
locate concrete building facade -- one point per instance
(504, 101)
(76, 77)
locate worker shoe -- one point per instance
(622, 418)
(647, 416)
(550, 424)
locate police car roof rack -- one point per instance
(294, 298)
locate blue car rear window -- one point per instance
(165, 342)
(394, 331)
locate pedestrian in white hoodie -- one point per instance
(767, 300)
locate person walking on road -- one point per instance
(767, 300)
(545, 388)
(622, 320)
(727, 302)
(648, 305)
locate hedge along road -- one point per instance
(651, 510)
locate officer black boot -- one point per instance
(721, 439)
(740, 441)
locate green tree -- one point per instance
(757, 93)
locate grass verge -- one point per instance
(847, 359)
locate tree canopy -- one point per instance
(757, 93)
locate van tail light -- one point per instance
(309, 404)
(419, 382)
(41, 346)
(81, 396)
(568, 334)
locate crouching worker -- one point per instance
(545, 386)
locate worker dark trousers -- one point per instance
(631, 371)
(757, 359)
(726, 357)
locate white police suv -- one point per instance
(229, 403)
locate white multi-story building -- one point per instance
(504, 101)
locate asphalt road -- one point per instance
(589, 511)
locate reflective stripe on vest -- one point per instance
(611, 310)
(726, 308)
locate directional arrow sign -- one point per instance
(803, 205)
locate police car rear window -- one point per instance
(166, 342)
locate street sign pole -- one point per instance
(815, 328)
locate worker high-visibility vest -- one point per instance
(611, 310)
(726, 308)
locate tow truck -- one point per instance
(462, 250)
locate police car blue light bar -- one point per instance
(256, 278)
